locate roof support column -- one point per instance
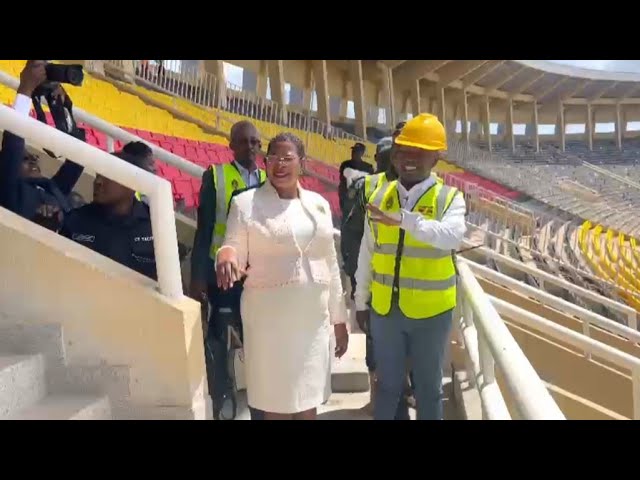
(389, 100)
(307, 92)
(415, 97)
(276, 81)
(510, 134)
(216, 68)
(560, 127)
(464, 127)
(261, 79)
(344, 100)
(486, 121)
(442, 106)
(355, 68)
(619, 126)
(588, 126)
(322, 90)
(536, 135)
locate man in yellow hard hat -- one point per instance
(409, 272)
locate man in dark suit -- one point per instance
(223, 307)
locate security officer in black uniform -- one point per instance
(115, 224)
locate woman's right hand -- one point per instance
(227, 270)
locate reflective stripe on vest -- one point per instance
(371, 182)
(426, 277)
(414, 284)
(374, 196)
(226, 180)
(412, 252)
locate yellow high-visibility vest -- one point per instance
(374, 188)
(426, 275)
(226, 180)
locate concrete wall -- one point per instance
(110, 316)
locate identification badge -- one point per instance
(426, 210)
(389, 203)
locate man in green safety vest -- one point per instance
(219, 182)
(406, 269)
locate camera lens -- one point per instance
(75, 75)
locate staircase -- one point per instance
(35, 383)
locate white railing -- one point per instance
(117, 133)
(546, 278)
(489, 343)
(590, 346)
(586, 317)
(157, 189)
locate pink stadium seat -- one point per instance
(183, 188)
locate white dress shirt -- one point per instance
(446, 234)
(251, 179)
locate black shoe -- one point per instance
(228, 409)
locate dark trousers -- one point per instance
(217, 359)
(402, 411)
(424, 342)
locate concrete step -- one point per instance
(68, 407)
(32, 339)
(22, 382)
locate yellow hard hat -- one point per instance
(424, 131)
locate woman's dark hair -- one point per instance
(288, 137)
(138, 149)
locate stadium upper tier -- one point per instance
(523, 82)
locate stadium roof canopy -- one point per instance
(521, 80)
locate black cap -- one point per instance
(359, 146)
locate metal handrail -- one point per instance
(587, 317)
(577, 340)
(157, 189)
(485, 333)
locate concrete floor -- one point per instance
(349, 406)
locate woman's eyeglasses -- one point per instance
(287, 160)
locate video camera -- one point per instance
(60, 106)
(57, 74)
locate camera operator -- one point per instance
(23, 188)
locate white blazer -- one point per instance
(259, 231)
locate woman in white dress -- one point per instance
(281, 237)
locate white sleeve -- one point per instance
(363, 273)
(22, 104)
(446, 234)
(337, 306)
(236, 236)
